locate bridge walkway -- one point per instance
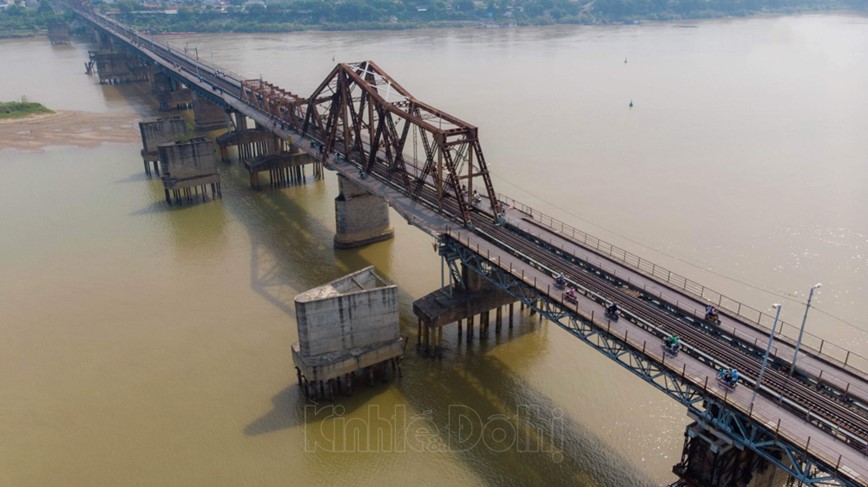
(765, 410)
(829, 372)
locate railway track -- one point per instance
(661, 319)
(657, 317)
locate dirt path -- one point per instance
(81, 129)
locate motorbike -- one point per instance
(613, 313)
(672, 348)
(713, 318)
(570, 296)
(560, 282)
(724, 376)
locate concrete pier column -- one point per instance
(187, 166)
(58, 33)
(240, 122)
(208, 116)
(156, 132)
(710, 459)
(160, 81)
(361, 218)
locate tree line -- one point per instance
(280, 15)
(16, 20)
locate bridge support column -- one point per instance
(114, 67)
(58, 33)
(208, 116)
(710, 459)
(160, 81)
(187, 168)
(361, 218)
(156, 132)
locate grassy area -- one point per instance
(20, 109)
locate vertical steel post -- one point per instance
(762, 371)
(802, 329)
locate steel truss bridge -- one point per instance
(361, 123)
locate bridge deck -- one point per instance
(767, 411)
(831, 373)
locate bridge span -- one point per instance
(427, 165)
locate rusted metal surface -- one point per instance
(363, 114)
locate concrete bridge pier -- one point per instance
(285, 167)
(171, 93)
(121, 66)
(476, 297)
(207, 115)
(361, 218)
(58, 33)
(347, 328)
(710, 459)
(160, 81)
(156, 132)
(187, 168)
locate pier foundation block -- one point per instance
(361, 218)
(208, 116)
(155, 132)
(709, 459)
(187, 168)
(347, 327)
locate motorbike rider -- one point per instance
(613, 309)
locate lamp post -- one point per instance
(802, 329)
(762, 371)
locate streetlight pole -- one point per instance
(802, 329)
(762, 371)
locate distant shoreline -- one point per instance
(242, 25)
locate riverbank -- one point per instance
(80, 129)
(14, 110)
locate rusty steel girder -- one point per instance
(363, 114)
(273, 100)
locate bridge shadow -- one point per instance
(291, 248)
(471, 405)
(136, 177)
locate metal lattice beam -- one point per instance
(713, 412)
(363, 114)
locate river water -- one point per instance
(148, 345)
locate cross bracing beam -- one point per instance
(362, 113)
(714, 412)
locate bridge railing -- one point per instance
(210, 65)
(816, 345)
(144, 40)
